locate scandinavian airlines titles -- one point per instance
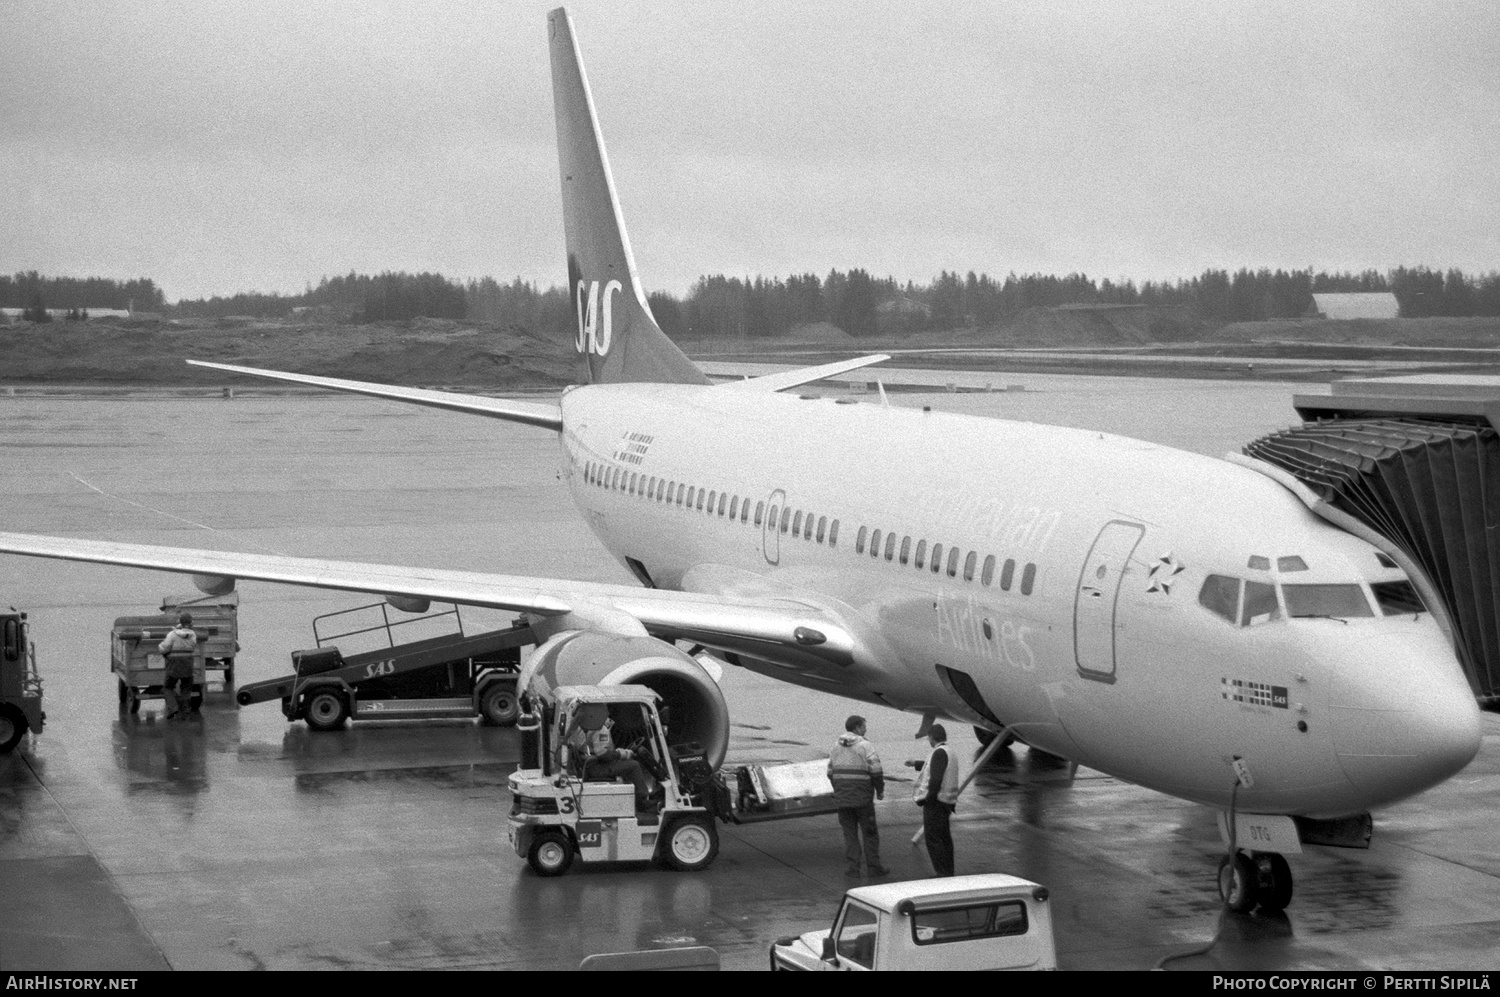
(595, 315)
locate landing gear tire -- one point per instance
(326, 711)
(499, 706)
(12, 727)
(985, 737)
(133, 701)
(124, 693)
(228, 672)
(1275, 881)
(1238, 883)
(691, 844)
(550, 854)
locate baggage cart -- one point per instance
(138, 664)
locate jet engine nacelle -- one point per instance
(691, 703)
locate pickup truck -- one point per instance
(964, 923)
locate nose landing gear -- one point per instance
(1252, 879)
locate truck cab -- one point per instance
(20, 685)
(961, 923)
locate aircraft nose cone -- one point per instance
(1404, 718)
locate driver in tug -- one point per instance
(603, 762)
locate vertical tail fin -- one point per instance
(616, 332)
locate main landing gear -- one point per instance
(1252, 879)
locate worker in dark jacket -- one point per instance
(179, 648)
(858, 781)
(937, 794)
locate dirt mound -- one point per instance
(816, 332)
(1082, 326)
(423, 352)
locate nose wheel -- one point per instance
(1255, 879)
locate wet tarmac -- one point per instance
(240, 841)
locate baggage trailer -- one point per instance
(138, 664)
(20, 685)
(217, 616)
(450, 675)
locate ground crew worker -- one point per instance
(179, 649)
(604, 762)
(858, 781)
(937, 794)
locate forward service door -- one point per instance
(1097, 596)
(770, 535)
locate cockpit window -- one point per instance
(1339, 601)
(1220, 595)
(1397, 598)
(1293, 563)
(1259, 562)
(1260, 604)
(1384, 559)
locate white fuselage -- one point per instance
(1079, 597)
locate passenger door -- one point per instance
(1097, 596)
(770, 535)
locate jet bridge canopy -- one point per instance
(1418, 460)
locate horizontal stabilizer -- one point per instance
(804, 375)
(546, 415)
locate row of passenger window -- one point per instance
(711, 501)
(809, 526)
(901, 551)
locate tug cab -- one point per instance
(559, 816)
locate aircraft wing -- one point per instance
(802, 375)
(780, 629)
(546, 415)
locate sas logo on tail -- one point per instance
(594, 316)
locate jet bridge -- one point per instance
(1417, 459)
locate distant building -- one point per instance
(904, 306)
(341, 313)
(1378, 304)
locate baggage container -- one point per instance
(215, 617)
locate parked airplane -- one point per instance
(1185, 623)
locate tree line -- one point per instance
(33, 292)
(724, 307)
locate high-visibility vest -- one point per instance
(948, 791)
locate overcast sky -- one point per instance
(224, 147)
